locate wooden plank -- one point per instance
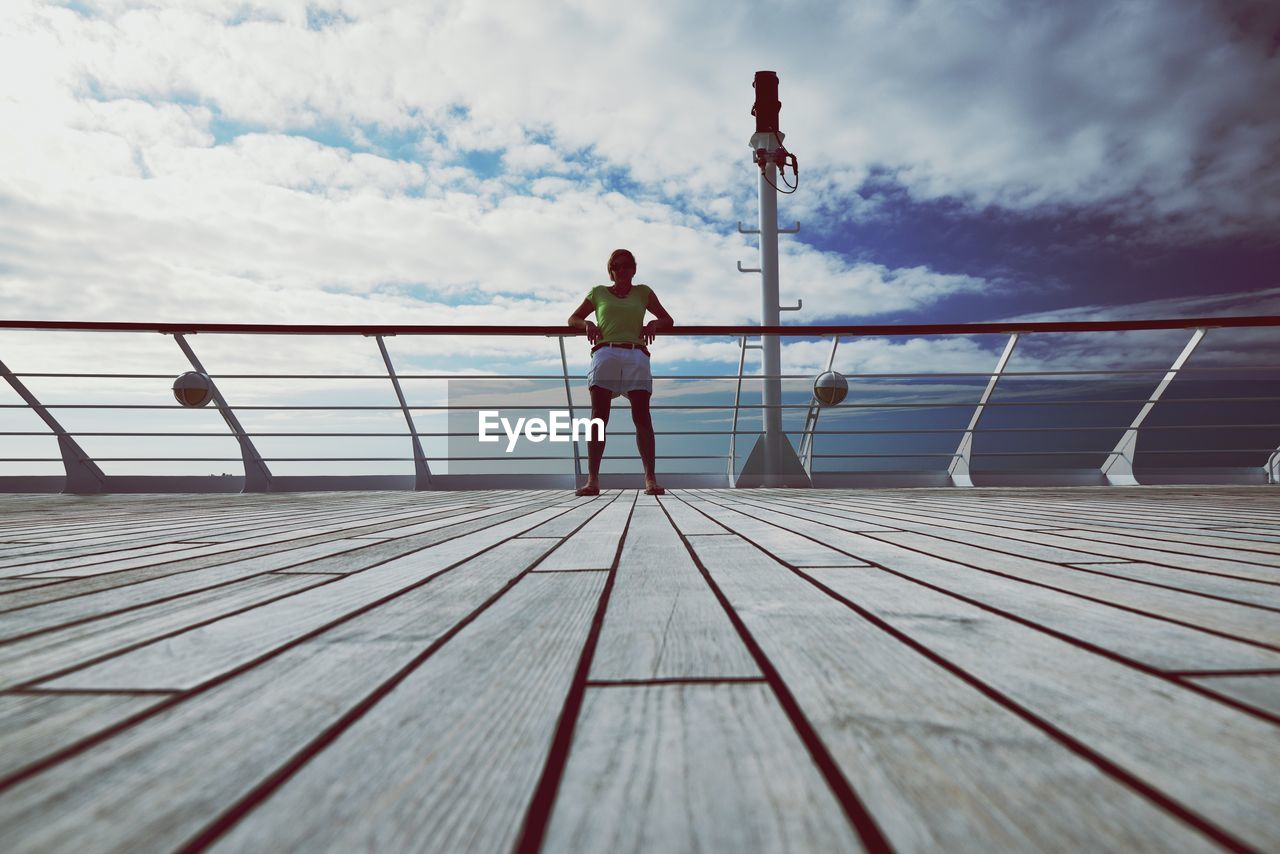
(234, 522)
(905, 731)
(1018, 543)
(12, 585)
(663, 621)
(1209, 584)
(165, 778)
(1261, 692)
(98, 564)
(81, 520)
(455, 767)
(1217, 505)
(71, 590)
(41, 655)
(327, 556)
(1036, 550)
(563, 526)
(96, 605)
(786, 544)
(1003, 507)
(1236, 620)
(596, 545)
(1152, 641)
(93, 536)
(373, 522)
(1218, 537)
(190, 659)
(1155, 516)
(1267, 531)
(1215, 761)
(701, 768)
(33, 726)
(83, 565)
(1220, 505)
(506, 522)
(689, 521)
(964, 527)
(36, 564)
(1200, 546)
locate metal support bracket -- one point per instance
(83, 475)
(421, 471)
(795, 229)
(799, 305)
(1118, 469)
(958, 470)
(568, 395)
(811, 417)
(257, 477)
(742, 269)
(737, 399)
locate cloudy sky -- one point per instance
(471, 162)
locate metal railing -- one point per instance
(84, 475)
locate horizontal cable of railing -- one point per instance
(681, 406)
(471, 433)
(560, 459)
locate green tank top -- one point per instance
(620, 320)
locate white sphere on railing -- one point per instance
(829, 388)
(193, 389)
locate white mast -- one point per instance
(773, 462)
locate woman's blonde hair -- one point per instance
(614, 254)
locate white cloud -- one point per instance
(1154, 110)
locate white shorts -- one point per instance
(620, 370)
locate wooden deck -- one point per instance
(775, 670)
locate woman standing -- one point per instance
(620, 361)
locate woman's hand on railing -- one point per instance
(593, 332)
(649, 332)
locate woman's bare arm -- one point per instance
(578, 320)
(663, 321)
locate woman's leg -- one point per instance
(645, 442)
(601, 400)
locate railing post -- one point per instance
(958, 470)
(257, 477)
(568, 394)
(421, 471)
(1273, 467)
(83, 475)
(1118, 469)
(737, 398)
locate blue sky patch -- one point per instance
(484, 163)
(319, 19)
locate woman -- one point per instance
(619, 360)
